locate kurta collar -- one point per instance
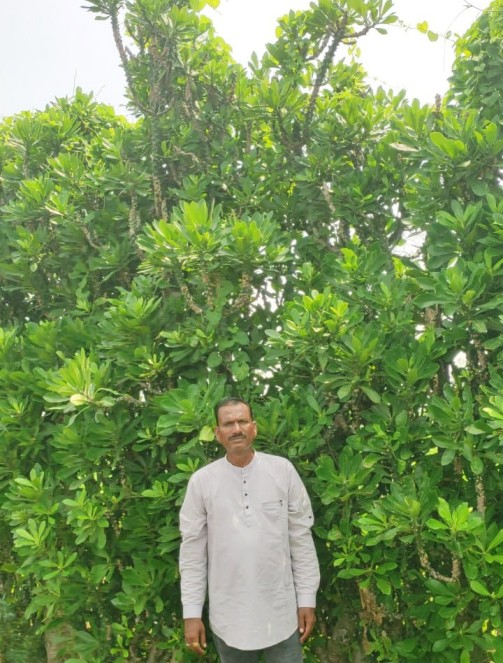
(240, 470)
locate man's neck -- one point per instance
(241, 461)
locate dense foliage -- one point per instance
(331, 253)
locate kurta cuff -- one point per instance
(306, 601)
(192, 611)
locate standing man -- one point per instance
(246, 534)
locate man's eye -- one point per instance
(231, 424)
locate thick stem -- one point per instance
(152, 656)
(481, 495)
(124, 58)
(320, 77)
(425, 563)
(57, 641)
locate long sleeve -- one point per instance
(305, 567)
(193, 551)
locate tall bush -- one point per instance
(329, 252)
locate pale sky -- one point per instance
(49, 47)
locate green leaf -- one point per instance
(402, 147)
(432, 523)
(206, 434)
(450, 147)
(471, 570)
(384, 586)
(444, 510)
(240, 370)
(344, 391)
(23, 534)
(197, 5)
(448, 456)
(313, 403)
(214, 359)
(440, 645)
(351, 573)
(371, 394)
(497, 541)
(479, 588)
(479, 188)
(477, 465)
(99, 572)
(241, 338)
(474, 430)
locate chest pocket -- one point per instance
(273, 509)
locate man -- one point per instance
(246, 533)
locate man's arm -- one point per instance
(305, 568)
(193, 566)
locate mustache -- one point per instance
(239, 436)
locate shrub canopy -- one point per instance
(331, 253)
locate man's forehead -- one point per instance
(233, 411)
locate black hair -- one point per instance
(231, 400)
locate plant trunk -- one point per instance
(58, 643)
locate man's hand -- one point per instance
(195, 635)
(307, 619)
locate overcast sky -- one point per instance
(49, 47)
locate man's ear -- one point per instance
(217, 436)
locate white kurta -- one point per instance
(246, 533)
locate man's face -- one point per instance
(236, 430)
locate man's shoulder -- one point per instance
(212, 467)
(275, 461)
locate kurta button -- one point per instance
(247, 507)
